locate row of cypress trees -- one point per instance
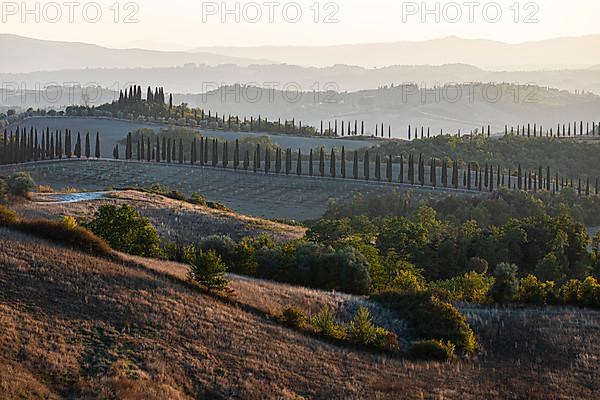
(575, 129)
(20, 146)
(410, 170)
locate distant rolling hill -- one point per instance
(28, 55)
(567, 52)
(193, 78)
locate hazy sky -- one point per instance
(184, 24)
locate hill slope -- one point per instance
(177, 221)
(78, 326)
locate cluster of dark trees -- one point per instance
(134, 95)
(431, 172)
(20, 146)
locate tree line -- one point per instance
(565, 130)
(20, 146)
(410, 169)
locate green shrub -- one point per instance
(549, 269)
(293, 316)
(385, 340)
(590, 293)
(324, 323)
(429, 317)
(207, 269)
(506, 284)
(569, 292)
(125, 230)
(8, 217)
(362, 329)
(478, 265)
(346, 270)
(471, 287)
(364, 332)
(435, 350)
(532, 291)
(223, 245)
(20, 184)
(70, 222)
(408, 280)
(198, 199)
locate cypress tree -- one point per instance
(444, 173)
(401, 177)
(169, 151)
(491, 179)
(173, 151)
(377, 167)
(236, 154)
(299, 163)
(246, 160)
(480, 180)
(205, 158)
(366, 166)
(421, 170)
(78, 144)
(587, 185)
(343, 162)
(88, 150)
(97, 151)
(389, 169)
(455, 173)
(322, 163)
(158, 152)
(332, 167)
(310, 163)
(278, 161)
(214, 154)
(258, 160)
(149, 154)
(355, 165)
(469, 179)
(411, 169)
(433, 179)
(180, 151)
(267, 160)
(486, 177)
(51, 147)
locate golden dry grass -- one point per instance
(175, 220)
(75, 326)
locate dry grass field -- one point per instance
(176, 221)
(76, 326)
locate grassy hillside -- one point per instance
(78, 326)
(176, 221)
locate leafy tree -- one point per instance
(126, 230)
(506, 284)
(20, 184)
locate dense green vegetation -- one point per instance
(125, 230)
(511, 246)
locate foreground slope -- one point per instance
(78, 326)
